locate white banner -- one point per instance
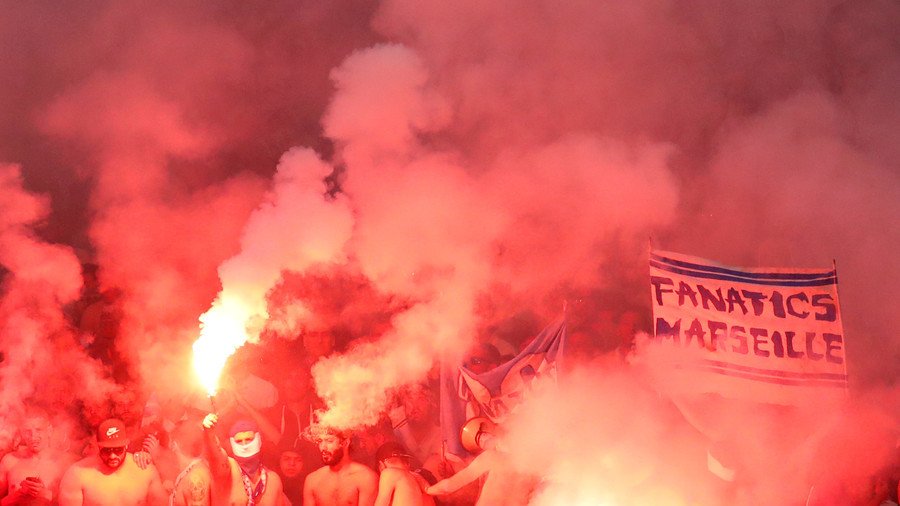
(768, 335)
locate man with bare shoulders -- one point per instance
(191, 486)
(398, 485)
(341, 481)
(110, 478)
(31, 476)
(240, 480)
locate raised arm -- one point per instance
(216, 456)
(466, 475)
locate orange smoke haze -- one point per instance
(467, 167)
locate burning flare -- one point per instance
(223, 329)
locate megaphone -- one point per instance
(476, 432)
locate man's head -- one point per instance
(246, 441)
(392, 454)
(35, 431)
(113, 442)
(420, 404)
(333, 446)
(124, 405)
(290, 463)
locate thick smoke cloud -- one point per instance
(40, 358)
(477, 164)
(607, 437)
(151, 125)
(714, 81)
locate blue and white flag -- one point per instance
(496, 393)
(761, 334)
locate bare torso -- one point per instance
(400, 487)
(47, 466)
(193, 487)
(354, 485)
(86, 483)
(233, 493)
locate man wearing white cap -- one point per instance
(111, 477)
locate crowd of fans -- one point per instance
(254, 449)
(256, 443)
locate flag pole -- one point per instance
(837, 290)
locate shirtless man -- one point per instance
(341, 481)
(397, 485)
(241, 480)
(191, 485)
(31, 476)
(111, 477)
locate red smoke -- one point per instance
(41, 361)
(466, 162)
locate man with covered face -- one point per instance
(31, 475)
(111, 477)
(242, 479)
(341, 481)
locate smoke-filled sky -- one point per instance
(472, 161)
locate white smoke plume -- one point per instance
(606, 436)
(416, 207)
(280, 236)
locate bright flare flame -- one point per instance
(222, 332)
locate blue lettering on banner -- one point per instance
(800, 305)
(775, 343)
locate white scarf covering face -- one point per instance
(247, 450)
